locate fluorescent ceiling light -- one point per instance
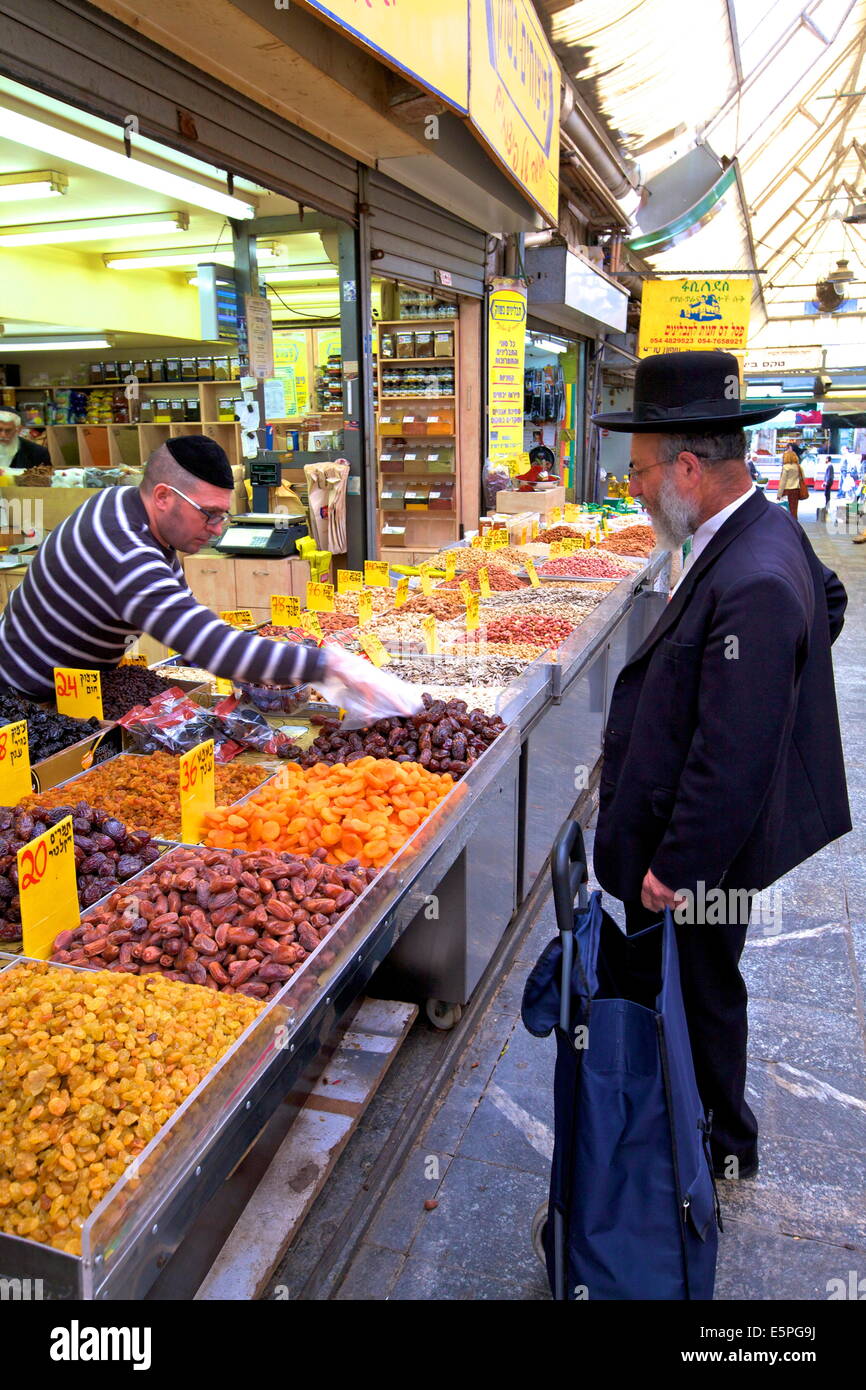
(40, 135)
(89, 228)
(37, 183)
(186, 256)
(549, 345)
(10, 345)
(324, 272)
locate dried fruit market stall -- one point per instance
(139, 1064)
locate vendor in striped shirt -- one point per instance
(110, 571)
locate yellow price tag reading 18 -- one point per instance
(349, 581)
(431, 641)
(14, 763)
(285, 609)
(401, 593)
(472, 613)
(376, 573)
(320, 597)
(47, 888)
(533, 574)
(238, 617)
(78, 693)
(310, 623)
(197, 790)
(484, 582)
(374, 648)
(365, 609)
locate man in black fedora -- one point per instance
(723, 763)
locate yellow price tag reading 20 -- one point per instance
(14, 763)
(197, 790)
(47, 888)
(78, 693)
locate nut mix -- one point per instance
(460, 668)
(558, 533)
(364, 812)
(91, 1067)
(445, 737)
(144, 791)
(632, 540)
(242, 924)
(500, 579)
(589, 563)
(546, 632)
(106, 853)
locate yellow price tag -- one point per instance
(238, 617)
(572, 512)
(285, 609)
(555, 516)
(484, 582)
(472, 613)
(566, 547)
(376, 573)
(466, 591)
(426, 581)
(197, 790)
(133, 661)
(373, 646)
(350, 581)
(320, 597)
(78, 693)
(477, 542)
(431, 641)
(533, 574)
(310, 623)
(365, 609)
(14, 763)
(497, 537)
(223, 686)
(534, 531)
(450, 564)
(401, 593)
(47, 888)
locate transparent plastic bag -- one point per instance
(366, 692)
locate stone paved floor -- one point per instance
(484, 1157)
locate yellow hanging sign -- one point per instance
(426, 581)
(466, 591)
(472, 613)
(450, 564)
(506, 333)
(310, 623)
(533, 574)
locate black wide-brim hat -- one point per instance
(687, 392)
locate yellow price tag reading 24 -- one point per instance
(14, 763)
(197, 790)
(47, 888)
(78, 693)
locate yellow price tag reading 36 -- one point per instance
(320, 597)
(349, 581)
(374, 648)
(197, 790)
(14, 763)
(376, 573)
(285, 609)
(47, 888)
(401, 593)
(365, 609)
(78, 693)
(238, 617)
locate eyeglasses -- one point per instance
(636, 472)
(212, 518)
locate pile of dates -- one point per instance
(106, 854)
(47, 731)
(126, 686)
(240, 923)
(445, 737)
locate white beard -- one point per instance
(673, 518)
(7, 453)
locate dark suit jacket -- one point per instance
(30, 455)
(722, 754)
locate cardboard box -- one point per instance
(541, 502)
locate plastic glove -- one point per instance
(364, 691)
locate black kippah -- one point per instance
(203, 458)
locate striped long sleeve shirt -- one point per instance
(102, 578)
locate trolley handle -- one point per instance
(570, 874)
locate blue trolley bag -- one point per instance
(632, 1212)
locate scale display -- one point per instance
(246, 536)
(262, 534)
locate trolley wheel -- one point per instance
(539, 1226)
(442, 1014)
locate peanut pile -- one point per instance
(91, 1067)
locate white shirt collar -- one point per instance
(708, 529)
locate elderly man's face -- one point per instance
(671, 501)
(8, 431)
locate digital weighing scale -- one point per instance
(262, 533)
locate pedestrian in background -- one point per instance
(790, 480)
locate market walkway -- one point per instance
(484, 1158)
